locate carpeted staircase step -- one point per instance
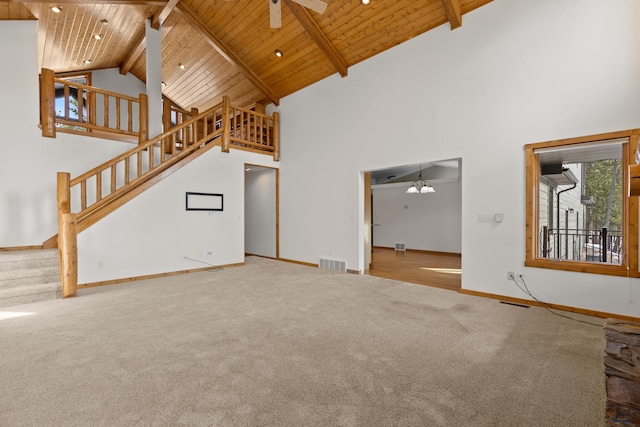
(29, 276)
(29, 294)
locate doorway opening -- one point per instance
(412, 236)
(261, 225)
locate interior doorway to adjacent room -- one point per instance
(414, 236)
(261, 222)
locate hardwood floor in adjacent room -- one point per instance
(441, 270)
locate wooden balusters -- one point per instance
(105, 105)
(98, 186)
(113, 178)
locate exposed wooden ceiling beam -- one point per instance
(141, 44)
(226, 52)
(84, 2)
(159, 18)
(312, 28)
(133, 56)
(454, 14)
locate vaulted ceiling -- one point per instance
(227, 46)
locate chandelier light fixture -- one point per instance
(420, 186)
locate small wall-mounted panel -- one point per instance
(204, 202)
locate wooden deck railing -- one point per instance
(98, 192)
(87, 109)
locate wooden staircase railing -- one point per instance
(84, 200)
(91, 111)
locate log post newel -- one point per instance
(226, 124)
(144, 118)
(67, 237)
(47, 103)
(276, 136)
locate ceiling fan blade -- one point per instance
(275, 14)
(315, 5)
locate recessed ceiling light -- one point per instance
(164, 85)
(88, 61)
(278, 53)
(104, 22)
(98, 36)
(247, 169)
(56, 9)
(182, 67)
(365, 2)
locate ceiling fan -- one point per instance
(275, 9)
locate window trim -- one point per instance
(629, 266)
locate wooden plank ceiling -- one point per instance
(227, 46)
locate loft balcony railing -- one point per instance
(72, 107)
(601, 245)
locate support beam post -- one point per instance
(226, 124)
(47, 103)
(276, 136)
(144, 119)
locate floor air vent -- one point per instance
(332, 264)
(515, 304)
(401, 247)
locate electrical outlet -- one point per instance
(209, 253)
(511, 276)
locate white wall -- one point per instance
(152, 233)
(516, 72)
(260, 212)
(428, 222)
(29, 162)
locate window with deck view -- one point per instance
(577, 205)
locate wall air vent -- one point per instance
(401, 246)
(332, 264)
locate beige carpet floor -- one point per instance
(278, 344)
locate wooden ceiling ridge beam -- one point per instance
(318, 36)
(226, 52)
(141, 45)
(134, 55)
(159, 18)
(454, 12)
